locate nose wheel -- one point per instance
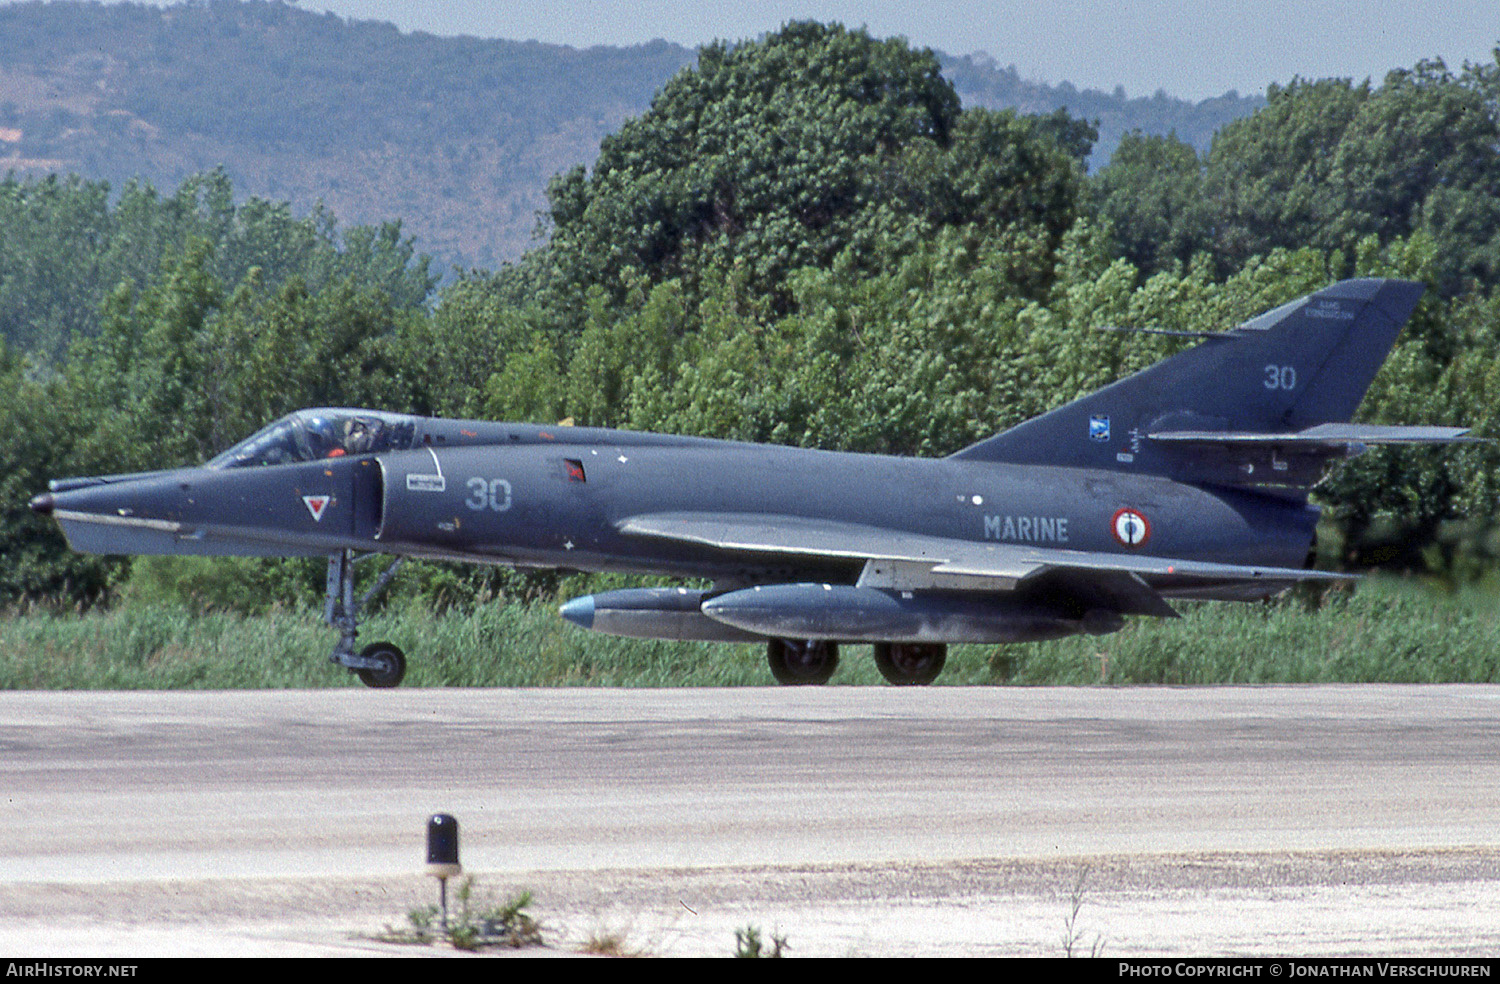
(389, 665)
(380, 664)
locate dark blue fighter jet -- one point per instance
(1188, 480)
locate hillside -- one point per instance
(457, 137)
(980, 81)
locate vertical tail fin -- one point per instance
(1300, 365)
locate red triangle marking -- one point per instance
(315, 505)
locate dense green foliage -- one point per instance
(155, 331)
(1323, 164)
(68, 245)
(806, 239)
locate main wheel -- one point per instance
(802, 661)
(392, 665)
(910, 664)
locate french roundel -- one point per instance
(1131, 527)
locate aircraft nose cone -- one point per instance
(579, 611)
(42, 505)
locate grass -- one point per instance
(610, 943)
(474, 924)
(749, 945)
(1389, 630)
(1072, 935)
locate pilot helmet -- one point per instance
(320, 435)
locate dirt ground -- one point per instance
(1430, 903)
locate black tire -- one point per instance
(910, 664)
(802, 662)
(392, 670)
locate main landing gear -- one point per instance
(812, 661)
(910, 664)
(379, 664)
(802, 661)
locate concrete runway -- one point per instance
(944, 820)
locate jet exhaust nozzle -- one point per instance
(43, 504)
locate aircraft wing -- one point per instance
(903, 561)
(789, 535)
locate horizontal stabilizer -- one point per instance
(1331, 436)
(1293, 460)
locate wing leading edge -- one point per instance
(900, 561)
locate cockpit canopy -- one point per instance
(309, 435)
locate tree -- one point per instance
(1269, 176)
(1328, 163)
(40, 424)
(1151, 193)
(782, 153)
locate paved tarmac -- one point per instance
(881, 821)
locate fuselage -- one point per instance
(554, 497)
(561, 505)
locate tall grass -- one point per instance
(1388, 630)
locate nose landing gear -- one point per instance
(379, 664)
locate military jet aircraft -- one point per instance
(1188, 480)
